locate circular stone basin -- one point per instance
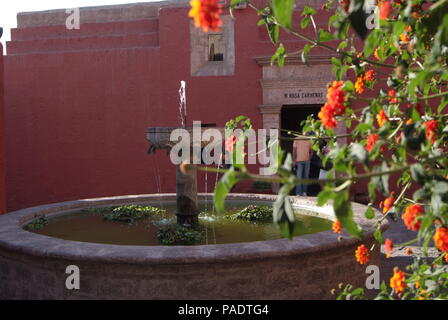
(33, 266)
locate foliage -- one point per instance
(37, 223)
(395, 111)
(130, 213)
(180, 235)
(253, 213)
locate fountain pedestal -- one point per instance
(186, 196)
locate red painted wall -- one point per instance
(2, 141)
(78, 103)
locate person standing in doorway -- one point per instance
(301, 153)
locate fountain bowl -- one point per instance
(33, 266)
(159, 137)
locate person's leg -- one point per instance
(306, 175)
(299, 174)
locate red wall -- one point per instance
(2, 141)
(78, 103)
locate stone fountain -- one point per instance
(186, 182)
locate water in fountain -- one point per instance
(183, 104)
(157, 180)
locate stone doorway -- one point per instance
(291, 118)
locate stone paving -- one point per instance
(398, 233)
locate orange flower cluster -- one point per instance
(206, 14)
(370, 75)
(398, 281)
(371, 141)
(362, 254)
(385, 9)
(230, 143)
(431, 128)
(376, 53)
(337, 227)
(404, 37)
(388, 245)
(392, 96)
(410, 216)
(441, 239)
(387, 203)
(334, 106)
(382, 118)
(359, 85)
(360, 81)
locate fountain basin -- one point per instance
(32, 266)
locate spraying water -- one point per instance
(183, 104)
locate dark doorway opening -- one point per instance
(292, 117)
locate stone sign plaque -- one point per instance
(284, 96)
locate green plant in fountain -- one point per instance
(130, 213)
(253, 213)
(180, 235)
(395, 110)
(37, 223)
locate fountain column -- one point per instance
(187, 196)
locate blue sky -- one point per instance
(10, 9)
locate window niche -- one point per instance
(213, 53)
(216, 47)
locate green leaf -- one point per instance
(336, 62)
(283, 213)
(283, 12)
(372, 42)
(324, 196)
(234, 3)
(279, 56)
(369, 214)
(324, 36)
(274, 32)
(342, 45)
(418, 173)
(228, 180)
(305, 21)
(261, 22)
(378, 236)
(343, 209)
(307, 10)
(306, 49)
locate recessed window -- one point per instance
(215, 47)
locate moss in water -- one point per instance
(253, 213)
(37, 223)
(180, 235)
(130, 213)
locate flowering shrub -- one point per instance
(400, 73)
